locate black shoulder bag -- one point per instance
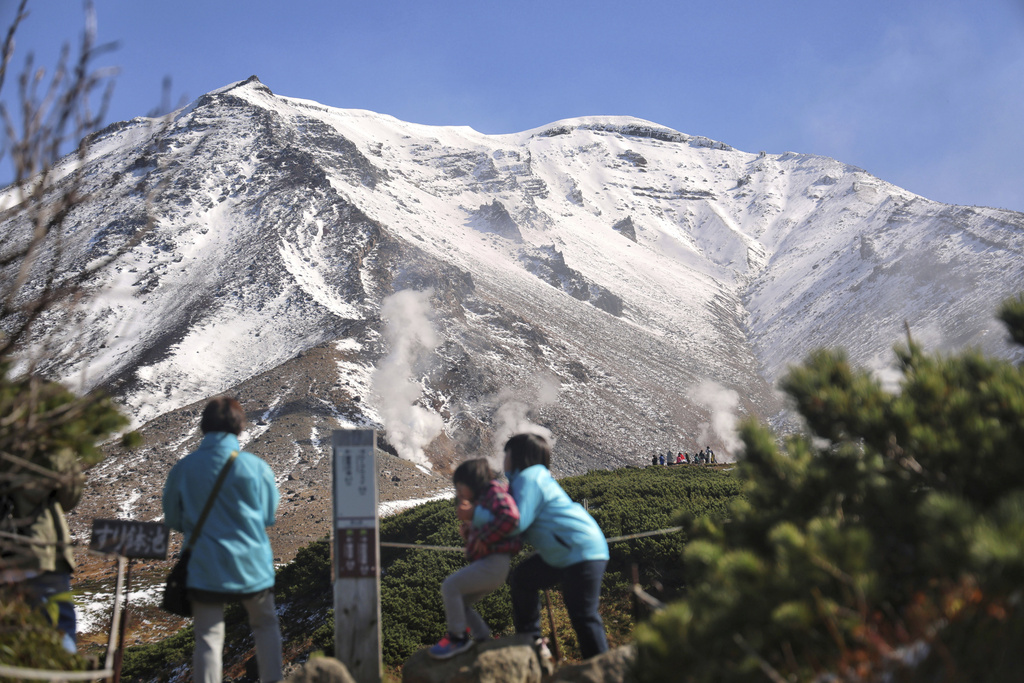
(175, 598)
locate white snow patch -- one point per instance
(396, 506)
(126, 510)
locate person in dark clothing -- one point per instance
(39, 561)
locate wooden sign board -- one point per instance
(357, 621)
(129, 538)
(355, 479)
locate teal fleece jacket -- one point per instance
(232, 553)
(561, 531)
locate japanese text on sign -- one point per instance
(356, 553)
(355, 484)
(129, 538)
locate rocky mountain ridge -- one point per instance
(628, 287)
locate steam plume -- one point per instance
(512, 414)
(411, 339)
(721, 403)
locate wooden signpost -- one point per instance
(357, 621)
(127, 540)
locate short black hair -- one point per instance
(526, 450)
(475, 474)
(223, 414)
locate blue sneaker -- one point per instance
(450, 645)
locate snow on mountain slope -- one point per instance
(802, 241)
(619, 262)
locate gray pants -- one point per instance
(466, 587)
(209, 628)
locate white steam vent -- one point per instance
(722, 403)
(411, 340)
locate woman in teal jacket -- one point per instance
(231, 559)
(571, 548)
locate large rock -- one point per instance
(508, 660)
(614, 666)
(322, 670)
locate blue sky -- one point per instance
(926, 94)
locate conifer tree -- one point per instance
(886, 540)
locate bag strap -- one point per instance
(209, 501)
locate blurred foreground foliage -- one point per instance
(42, 426)
(28, 638)
(885, 543)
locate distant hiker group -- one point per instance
(704, 457)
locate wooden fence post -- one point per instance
(357, 620)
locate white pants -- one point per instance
(209, 627)
(468, 586)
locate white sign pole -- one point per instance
(357, 627)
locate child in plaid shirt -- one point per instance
(489, 517)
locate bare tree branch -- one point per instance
(53, 113)
(43, 272)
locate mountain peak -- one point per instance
(600, 271)
(252, 82)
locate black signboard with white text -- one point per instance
(129, 538)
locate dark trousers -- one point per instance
(581, 590)
(46, 585)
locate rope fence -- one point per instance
(43, 675)
(642, 596)
(459, 549)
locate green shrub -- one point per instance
(43, 428)
(155, 661)
(895, 522)
(28, 639)
(628, 501)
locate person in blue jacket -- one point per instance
(571, 548)
(231, 559)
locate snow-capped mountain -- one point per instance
(634, 287)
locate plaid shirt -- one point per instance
(495, 534)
